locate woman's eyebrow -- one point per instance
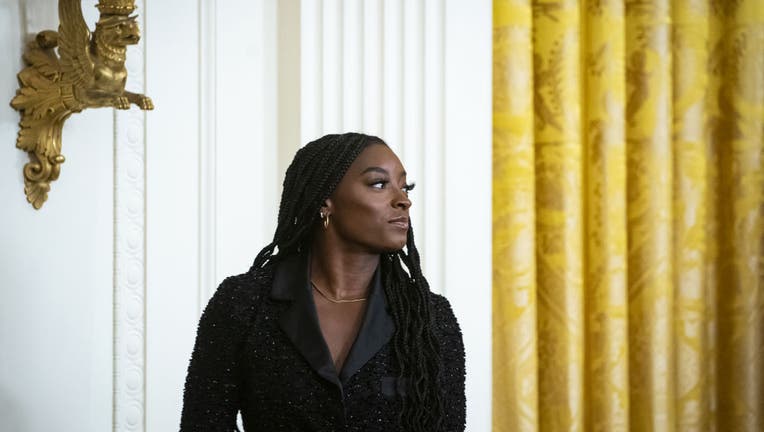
(380, 170)
(375, 169)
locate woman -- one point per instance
(327, 331)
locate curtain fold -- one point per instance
(604, 143)
(649, 177)
(559, 213)
(693, 239)
(628, 215)
(737, 123)
(514, 215)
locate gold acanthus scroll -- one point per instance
(87, 71)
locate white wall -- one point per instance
(172, 204)
(467, 189)
(212, 171)
(56, 265)
(152, 212)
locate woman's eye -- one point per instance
(382, 184)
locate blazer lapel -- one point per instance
(376, 330)
(300, 321)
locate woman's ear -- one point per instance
(327, 207)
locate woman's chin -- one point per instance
(394, 246)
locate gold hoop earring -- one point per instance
(326, 220)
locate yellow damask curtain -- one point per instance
(628, 248)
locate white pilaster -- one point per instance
(333, 57)
(392, 74)
(352, 65)
(129, 254)
(311, 70)
(373, 83)
(433, 147)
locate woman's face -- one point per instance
(369, 209)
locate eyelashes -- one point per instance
(408, 187)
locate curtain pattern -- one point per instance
(628, 221)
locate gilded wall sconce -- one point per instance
(87, 71)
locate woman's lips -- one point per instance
(401, 222)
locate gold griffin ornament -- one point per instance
(88, 71)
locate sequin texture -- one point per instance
(244, 362)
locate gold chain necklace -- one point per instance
(324, 295)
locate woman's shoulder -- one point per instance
(450, 340)
(444, 316)
(238, 297)
(440, 304)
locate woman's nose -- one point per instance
(402, 200)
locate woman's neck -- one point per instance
(340, 273)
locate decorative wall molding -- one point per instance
(311, 70)
(434, 145)
(130, 255)
(208, 178)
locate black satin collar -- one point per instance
(300, 321)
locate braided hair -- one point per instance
(314, 173)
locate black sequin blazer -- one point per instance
(259, 351)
